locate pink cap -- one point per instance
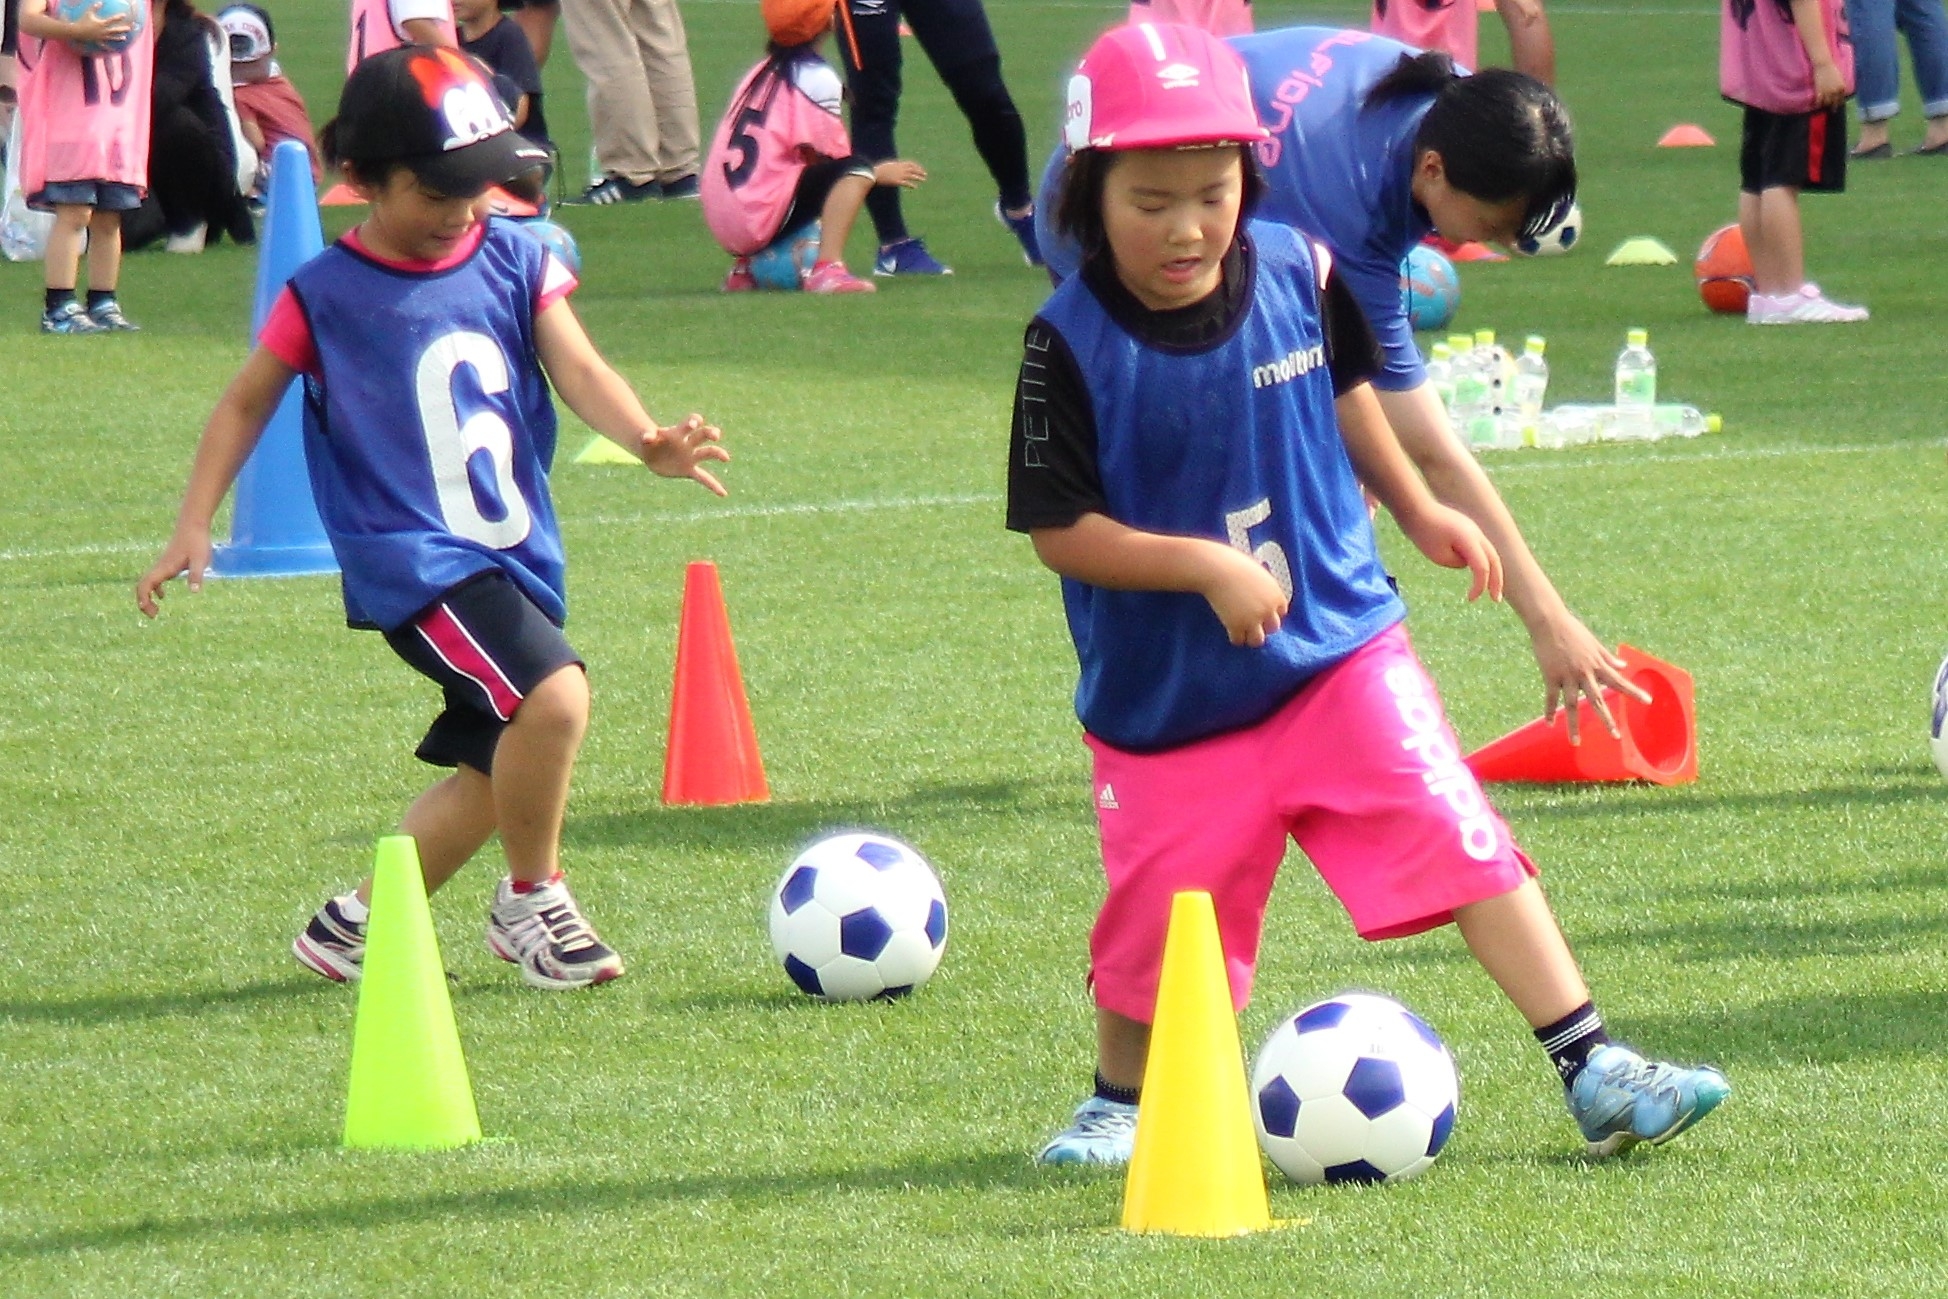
(1160, 86)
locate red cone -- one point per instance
(712, 757)
(1659, 741)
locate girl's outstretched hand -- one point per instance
(184, 554)
(1451, 539)
(680, 450)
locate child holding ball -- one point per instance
(84, 148)
(427, 336)
(1192, 425)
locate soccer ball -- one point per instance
(784, 263)
(1558, 238)
(858, 916)
(1355, 1088)
(558, 241)
(1724, 271)
(1429, 288)
(1937, 742)
(136, 11)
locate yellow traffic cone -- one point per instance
(409, 1088)
(1196, 1169)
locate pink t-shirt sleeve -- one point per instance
(557, 282)
(287, 334)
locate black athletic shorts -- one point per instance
(814, 184)
(487, 645)
(1794, 150)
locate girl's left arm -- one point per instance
(607, 404)
(1444, 535)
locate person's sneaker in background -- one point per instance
(333, 944)
(907, 256)
(1620, 1098)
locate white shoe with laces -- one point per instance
(543, 932)
(1806, 305)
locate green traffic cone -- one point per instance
(409, 1088)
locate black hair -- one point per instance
(375, 172)
(1501, 134)
(1079, 204)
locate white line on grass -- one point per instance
(870, 505)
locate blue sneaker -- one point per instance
(1620, 1098)
(69, 318)
(1103, 1133)
(1024, 230)
(907, 256)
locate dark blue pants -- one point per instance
(957, 39)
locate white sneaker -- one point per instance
(544, 933)
(1805, 306)
(187, 243)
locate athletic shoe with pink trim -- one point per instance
(543, 932)
(332, 944)
(1805, 306)
(833, 277)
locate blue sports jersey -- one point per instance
(1237, 442)
(431, 429)
(1334, 169)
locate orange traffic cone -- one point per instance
(1659, 740)
(340, 195)
(1686, 135)
(712, 757)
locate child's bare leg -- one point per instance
(1770, 222)
(449, 823)
(1517, 940)
(62, 261)
(1122, 1048)
(842, 204)
(104, 251)
(532, 763)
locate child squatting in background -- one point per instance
(1789, 65)
(84, 150)
(780, 159)
(269, 108)
(1192, 412)
(462, 324)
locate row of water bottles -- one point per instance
(1495, 400)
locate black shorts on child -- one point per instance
(1794, 150)
(487, 645)
(814, 184)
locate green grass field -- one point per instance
(177, 797)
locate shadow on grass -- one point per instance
(127, 1006)
(1713, 940)
(525, 1203)
(775, 828)
(1816, 1029)
(1590, 803)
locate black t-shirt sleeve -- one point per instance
(1352, 353)
(1052, 474)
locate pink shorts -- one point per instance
(1361, 769)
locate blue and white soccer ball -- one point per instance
(1558, 238)
(1355, 1088)
(857, 916)
(556, 240)
(1937, 742)
(784, 263)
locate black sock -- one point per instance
(1109, 1091)
(57, 298)
(1571, 1039)
(98, 296)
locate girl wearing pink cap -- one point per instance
(1192, 424)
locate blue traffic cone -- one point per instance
(274, 528)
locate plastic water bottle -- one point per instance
(1440, 373)
(1681, 421)
(1636, 390)
(1473, 412)
(1531, 385)
(1499, 368)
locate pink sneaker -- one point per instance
(833, 277)
(1805, 306)
(739, 279)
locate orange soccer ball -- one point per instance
(1724, 270)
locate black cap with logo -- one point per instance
(435, 111)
